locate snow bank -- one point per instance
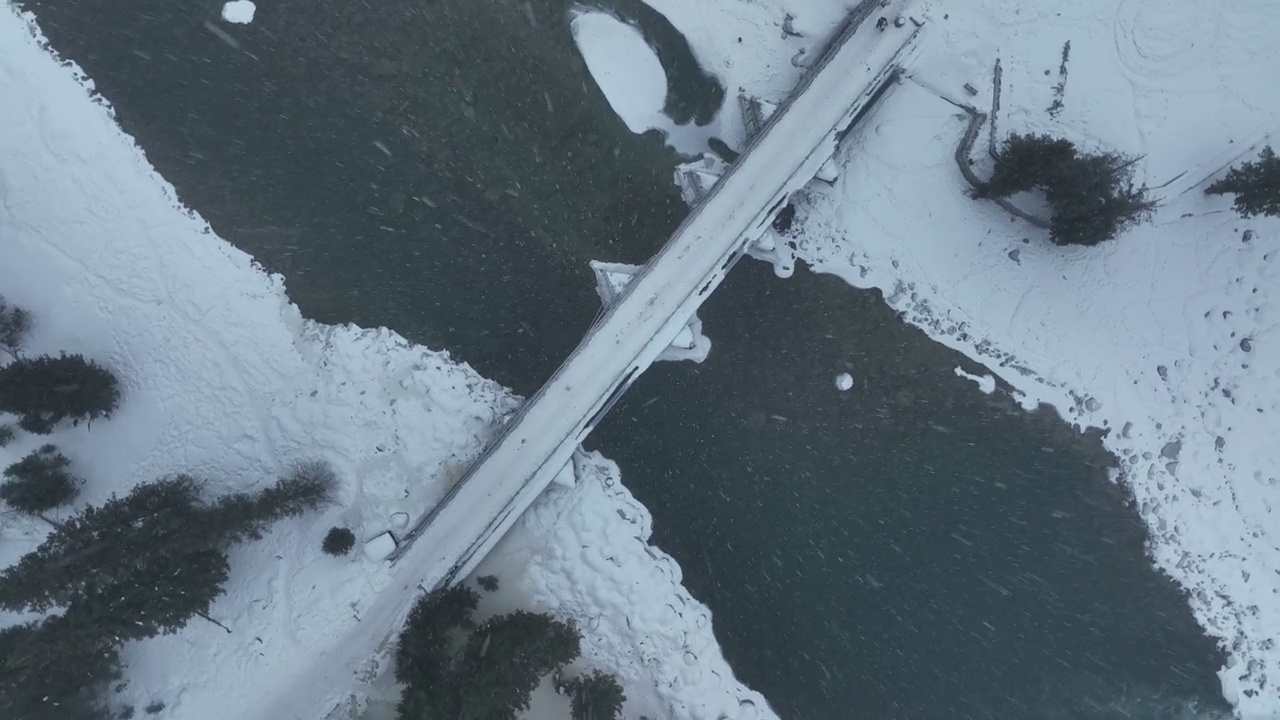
(631, 78)
(1168, 337)
(224, 379)
(636, 618)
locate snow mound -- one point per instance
(239, 11)
(985, 383)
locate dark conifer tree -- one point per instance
(1026, 162)
(39, 482)
(426, 655)
(56, 668)
(1092, 196)
(153, 558)
(137, 566)
(104, 547)
(1256, 185)
(597, 696)
(338, 541)
(309, 484)
(14, 324)
(45, 390)
(491, 674)
(506, 658)
(6, 435)
(160, 599)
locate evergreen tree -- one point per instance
(1092, 196)
(491, 674)
(14, 324)
(425, 653)
(1026, 162)
(103, 547)
(141, 564)
(597, 696)
(338, 541)
(160, 599)
(46, 390)
(506, 658)
(1255, 184)
(6, 434)
(308, 485)
(56, 668)
(39, 482)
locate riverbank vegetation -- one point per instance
(451, 666)
(136, 566)
(1256, 185)
(1091, 196)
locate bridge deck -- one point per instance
(537, 442)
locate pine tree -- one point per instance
(1256, 185)
(506, 658)
(141, 564)
(491, 675)
(6, 434)
(338, 541)
(56, 668)
(240, 515)
(1092, 196)
(39, 482)
(46, 390)
(14, 324)
(425, 654)
(160, 599)
(309, 484)
(107, 546)
(597, 696)
(1026, 162)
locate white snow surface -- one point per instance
(631, 78)
(1169, 337)
(239, 11)
(222, 378)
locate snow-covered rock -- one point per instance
(239, 12)
(380, 547)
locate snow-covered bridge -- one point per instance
(791, 147)
(536, 444)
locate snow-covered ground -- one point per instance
(225, 380)
(1168, 337)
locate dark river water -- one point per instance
(911, 549)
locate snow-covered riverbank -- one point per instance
(1166, 337)
(224, 379)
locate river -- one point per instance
(909, 549)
